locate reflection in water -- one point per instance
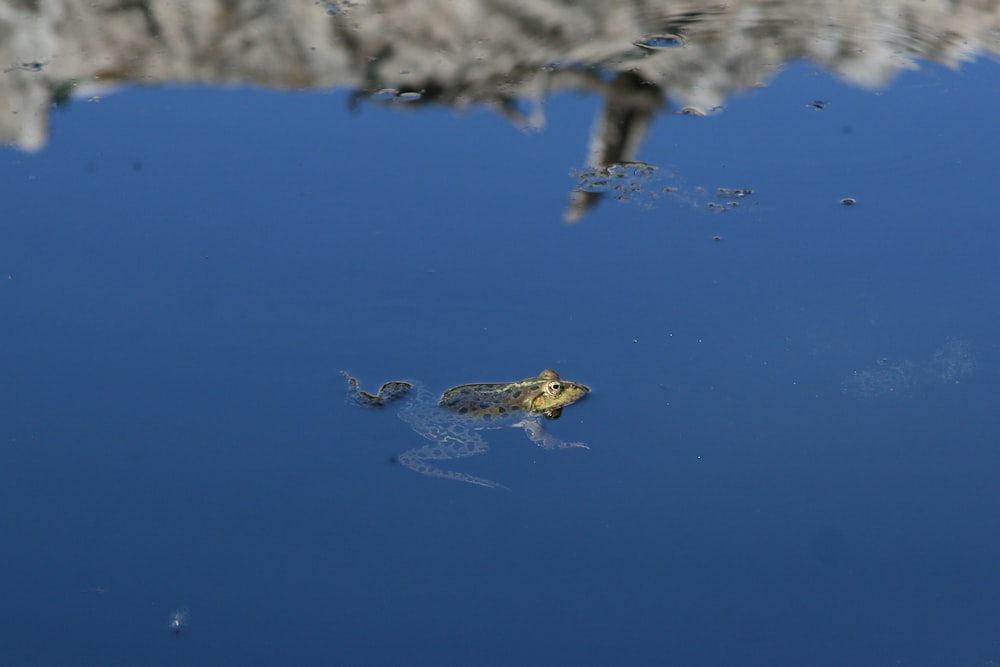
(503, 53)
(624, 181)
(950, 363)
(27, 67)
(644, 184)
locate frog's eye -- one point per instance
(553, 388)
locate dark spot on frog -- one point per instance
(463, 410)
(517, 394)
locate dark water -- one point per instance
(793, 439)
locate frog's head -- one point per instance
(554, 393)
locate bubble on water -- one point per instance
(657, 42)
(882, 378)
(619, 177)
(952, 361)
(179, 619)
(733, 193)
(949, 363)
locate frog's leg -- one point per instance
(387, 393)
(449, 441)
(417, 461)
(533, 428)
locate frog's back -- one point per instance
(486, 400)
(545, 394)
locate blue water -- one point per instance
(792, 429)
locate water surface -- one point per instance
(791, 425)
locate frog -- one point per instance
(453, 421)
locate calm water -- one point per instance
(792, 426)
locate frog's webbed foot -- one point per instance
(544, 440)
(387, 393)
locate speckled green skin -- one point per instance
(452, 422)
(546, 394)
